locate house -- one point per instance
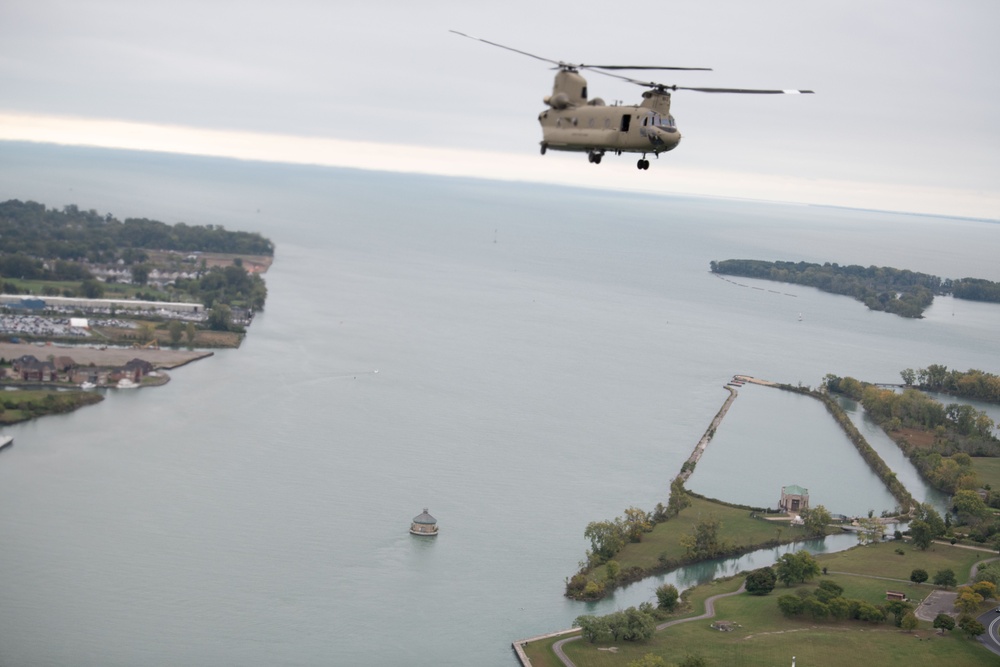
(794, 499)
(895, 595)
(63, 363)
(136, 369)
(29, 369)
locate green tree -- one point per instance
(920, 534)
(919, 576)
(796, 568)
(639, 626)
(898, 609)
(945, 578)
(140, 274)
(649, 660)
(828, 590)
(761, 581)
(220, 318)
(790, 605)
(816, 519)
(816, 609)
(703, 542)
(146, 332)
(667, 597)
(635, 523)
(970, 626)
(909, 622)
(176, 330)
(612, 570)
(605, 538)
(679, 498)
(970, 507)
(91, 289)
(870, 530)
(944, 622)
(593, 628)
(190, 331)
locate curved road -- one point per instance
(709, 613)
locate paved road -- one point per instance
(709, 613)
(990, 638)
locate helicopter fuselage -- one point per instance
(574, 123)
(596, 128)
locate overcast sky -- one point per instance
(905, 116)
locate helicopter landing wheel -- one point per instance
(594, 158)
(544, 148)
(642, 164)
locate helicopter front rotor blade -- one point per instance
(523, 53)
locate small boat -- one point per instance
(87, 385)
(125, 383)
(6, 441)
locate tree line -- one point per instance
(973, 383)
(882, 288)
(32, 230)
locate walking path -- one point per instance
(557, 648)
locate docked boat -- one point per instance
(6, 441)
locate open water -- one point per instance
(546, 357)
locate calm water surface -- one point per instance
(547, 357)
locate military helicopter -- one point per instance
(574, 123)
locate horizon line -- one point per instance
(493, 165)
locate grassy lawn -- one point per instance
(111, 290)
(988, 470)
(736, 528)
(17, 406)
(881, 560)
(766, 637)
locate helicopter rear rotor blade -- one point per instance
(564, 65)
(748, 91)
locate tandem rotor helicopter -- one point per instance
(574, 123)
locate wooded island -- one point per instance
(899, 291)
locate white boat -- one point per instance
(6, 441)
(87, 385)
(125, 383)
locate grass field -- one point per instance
(766, 637)
(988, 470)
(737, 528)
(30, 403)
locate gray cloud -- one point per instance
(905, 89)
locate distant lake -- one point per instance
(547, 357)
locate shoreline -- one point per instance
(688, 467)
(85, 355)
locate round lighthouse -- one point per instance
(424, 524)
